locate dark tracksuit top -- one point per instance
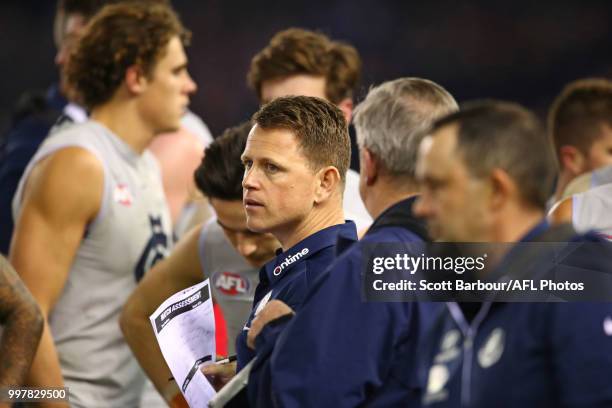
(340, 350)
(507, 355)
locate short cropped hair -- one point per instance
(297, 51)
(119, 36)
(220, 173)
(578, 113)
(318, 125)
(394, 118)
(504, 135)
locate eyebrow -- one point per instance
(181, 66)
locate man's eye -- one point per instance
(247, 164)
(271, 168)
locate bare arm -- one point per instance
(179, 271)
(23, 323)
(63, 195)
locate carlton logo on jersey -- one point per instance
(122, 195)
(231, 284)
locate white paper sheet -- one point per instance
(185, 329)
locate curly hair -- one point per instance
(119, 36)
(297, 51)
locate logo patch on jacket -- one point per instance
(493, 348)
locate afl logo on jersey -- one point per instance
(231, 284)
(122, 195)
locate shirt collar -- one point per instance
(286, 261)
(535, 231)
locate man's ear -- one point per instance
(572, 159)
(135, 80)
(503, 188)
(328, 181)
(369, 166)
(346, 106)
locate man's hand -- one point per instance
(219, 374)
(272, 311)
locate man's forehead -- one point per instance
(174, 54)
(297, 84)
(437, 151)
(444, 142)
(67, 24)
(270, 141)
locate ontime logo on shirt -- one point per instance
(290, 260)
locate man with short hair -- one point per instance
(90, 210)
(335, 329)
(303, 62)
(295, 160)
(295, 164)
(223, 249)
(580, 126)
(486, 173)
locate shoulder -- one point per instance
(71, 176)
(391, 234)
(562, 212)
(212, 234)
(196, 125)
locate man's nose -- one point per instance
(191, 85)
(422, 207)
(249, 180)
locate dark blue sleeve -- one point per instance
(19, 147)
(337, 349)
(582, 339)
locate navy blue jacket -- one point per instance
(30, 127)
(541, 355)
(339, 350)
(289, 276)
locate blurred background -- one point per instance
(518, 50)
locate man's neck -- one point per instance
(564, 179)
(122, 119)
(515, 224)
(385, 194)
(309, 226)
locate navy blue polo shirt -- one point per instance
(343, 351)
(289, 276)
(521, 355)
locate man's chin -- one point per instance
(169, 129)
(255, 225)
